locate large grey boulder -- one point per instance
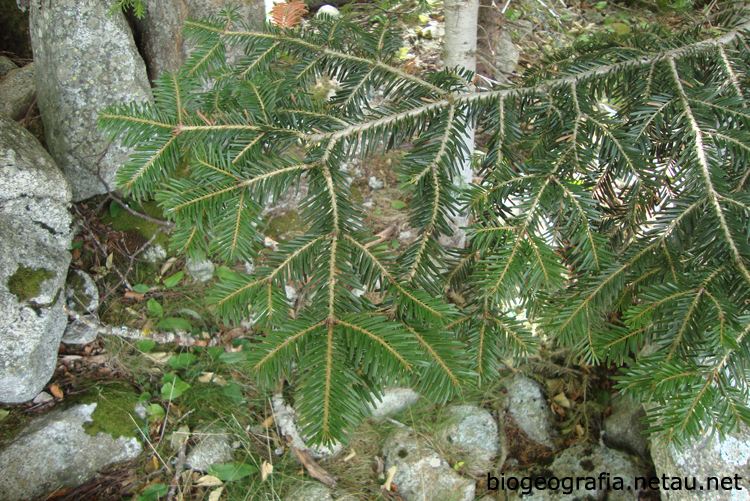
(420, 471)
(17, 92)
(34, 241)
(85, 59)
(727, 462)
(164, 46)
(55, 451)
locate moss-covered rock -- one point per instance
(125, 221)
(25, 282)
(279, 226)
(115, 410)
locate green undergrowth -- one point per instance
(216, 393)
(123, 220)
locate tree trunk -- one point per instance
(460, 50)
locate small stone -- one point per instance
(328, 10)
(311, 492)
(405, 236)
(368, 205)
(202, 270)
(375, 184)
(393, 401)
(43, 398)
(529, 409)
(140, 410)
(213, 448)
(291, 292)
(155, 254)
(421, 473)
(475, 433)
(55, 451)
(81, 332)
(18, 92)
(81, 292)
(624, 428)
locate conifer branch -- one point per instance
(610, 229)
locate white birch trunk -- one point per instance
(460, 50)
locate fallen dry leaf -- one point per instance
(159, 357)
(313, 468)
(266, 469)
(56, 391)
(561, 400)
(216, 494)
(152, 465)
(96, 359)
(208, 481)
(350, 456)
(165, 268)
(133, 295)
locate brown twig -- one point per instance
(177, 472)
(123, 278)
(119, 200)
(313, 468)
(131, 260)
(382, 236)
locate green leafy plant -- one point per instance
(229, 472)
(612, 212)
(172, 386)
(154, 308)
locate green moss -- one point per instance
(356, 194)
(25, 282)
(280, 225)
(125, 221)
(13, 424)
(114, 408)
